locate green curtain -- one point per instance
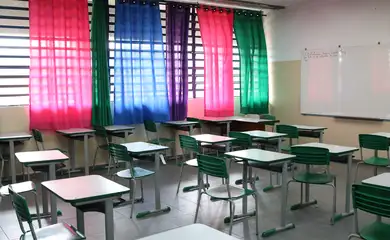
(101, 109)
(249, 31)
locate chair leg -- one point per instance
(2, 170)
(142, 190)
(181, 174)
(257, 213)
(133, 186)
(334, 201)
(375, 171)
(94, 158)
(356, 171)
(301, 193)
(198, 205)
(37, 209)
(232, 210)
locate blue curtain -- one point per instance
(140, 91)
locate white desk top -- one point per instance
(383, 134)
(333, 149)
(118, 128)
(180, 123)
(143, 147)
(85, 188)
(309, 128)
(381, 180)
(258, 155)
(76, 131)
(211, 138)
(14, 136)
(265, 134)
(40, 157)
(191, 232)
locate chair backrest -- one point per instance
(120, 153)
(150, 126)
(374, 142)
(291, 131)
(310, 155)
(268, 117)
(38, 138)
(243, 140)
(20, 206)
(371, 199)
(101, 135)
(189, 143)
(212, 166)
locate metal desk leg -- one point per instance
(72, 153)
(12, 160)
(86, 157)
(227, 128)
(191, 130)
(109, 217)
(80, 220)
(271, 186)
(348, 211)
(53, 199)
(45, 204)
(283, 225)
(158, 208)
(245, 214)
(321, 137)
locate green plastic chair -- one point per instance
(188, 144)
(313, 156)
(216, 167)
(59, 231)
(38, 138)
(292, 133)
(376, 143)
(151, 127)
(269, 117)
(120, 153)
(199, 125)
(374, 200)
(102, 142)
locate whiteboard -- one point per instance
(346, 82)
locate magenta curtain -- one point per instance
(216, 28)
(60, 68)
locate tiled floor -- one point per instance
(311, 223)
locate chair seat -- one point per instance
(138, 173)
(377, 161)
(45, 169)
(162, 141)
(59, 231)
(221, 192)
(314, 178)
(22, 187)
(192, 162)
(376, 231)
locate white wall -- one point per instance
(315, 24)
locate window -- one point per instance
(15, 53)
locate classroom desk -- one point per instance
(214, 139)
(44, 158)
(181, 125)
(219, 121)
(11, 138)
(77, 134)
(263, 135)
(311, 131)
(381, 180)
(85, 190)
(240, 124)
(191, 232)
(143, 148)
(336, 151)
(266, 158)
(122, 131)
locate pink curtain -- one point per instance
(60, 67)
(216, 28)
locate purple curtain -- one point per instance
(178, 17)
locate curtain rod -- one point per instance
(217, 4)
